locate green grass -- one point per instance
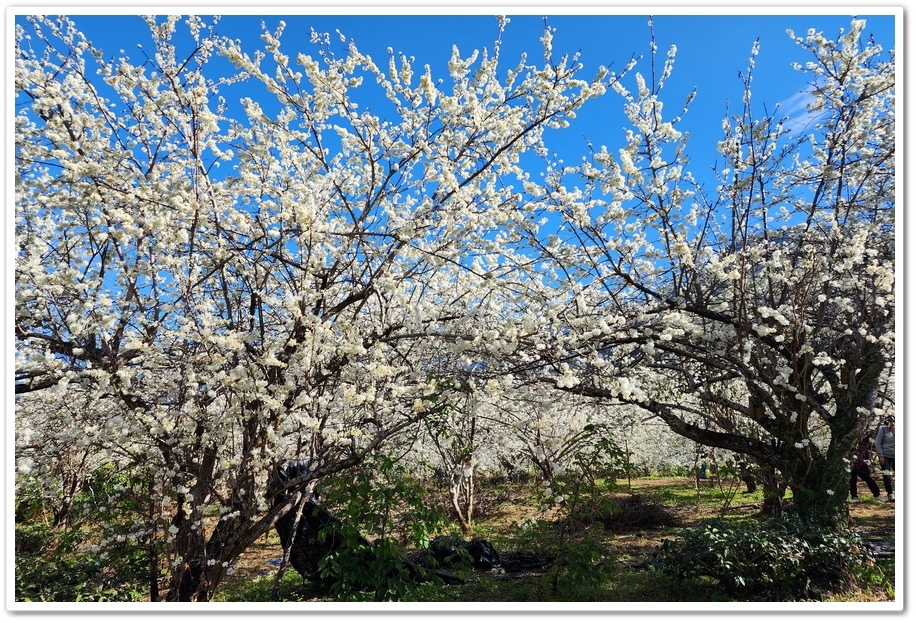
(711, 497)
(624, 586)
(292, 588)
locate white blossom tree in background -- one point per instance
(59, 445)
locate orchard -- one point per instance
(225, 259)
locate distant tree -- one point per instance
(58, 446)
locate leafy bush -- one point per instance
(100, 553)
(578, 574)
(375, 571)
(379, 500)
(676, 471)
(580, 491)
(783, 559)
(48, 569)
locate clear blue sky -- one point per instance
(712, 50)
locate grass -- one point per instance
(261, 589)
(626, 542)
(602, 552)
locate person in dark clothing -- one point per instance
(861, 468)
(884, 446)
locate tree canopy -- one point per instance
(227, 285)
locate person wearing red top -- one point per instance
(861, 468)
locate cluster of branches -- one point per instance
(294, 275)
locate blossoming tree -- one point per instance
(264, 283)
(765, 307)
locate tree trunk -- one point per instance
(819, 496)
(462, 490)
(194, 582)
(774, 490)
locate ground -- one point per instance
(503, 507)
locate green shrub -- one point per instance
(581, 570)
(383, 502)
(102, 551)
(59, 574)
(677, 471)
(773, 559)
(377, 572)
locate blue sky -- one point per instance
(712, 50)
